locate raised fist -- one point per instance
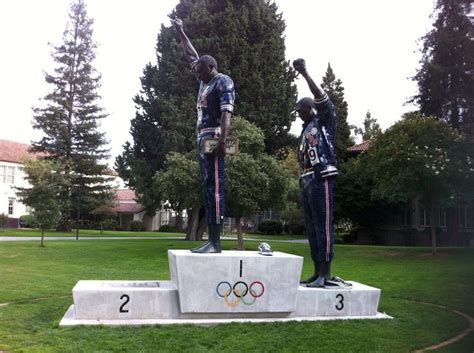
(177, 24)
(299, 65)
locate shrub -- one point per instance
(28, 221)
(270, 227)
(168, 228)
(3, 220)
(137, 226)
(294, 228)
(108, 224)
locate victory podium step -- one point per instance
(214, 288)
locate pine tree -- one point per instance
(446, 76)
(335, 91)
(371, 127)
(246, 38)
(69, 119)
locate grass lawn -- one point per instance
(14, 232)
(37, 284)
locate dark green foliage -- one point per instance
(446, 76)
(167, 228)
(335, 91)
(27, 221)
(353, 195)
(270, 227)
(70, 119)
(137, 226)
(246, 38)
(3, 220)
(294, 228)
(44, 194)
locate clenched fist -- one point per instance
(300, 65)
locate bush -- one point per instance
(108, 224)
(168, 228)
(137, 226)
(28, 221)
(270, 227)
(294, 228)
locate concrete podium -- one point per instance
(218, 288)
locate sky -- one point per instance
(372, 46)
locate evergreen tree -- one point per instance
(335, 91)
(371, 127)
(446, 76)
(70, 118)
(246, 38)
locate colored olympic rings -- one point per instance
(240, 290)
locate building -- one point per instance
(126, 208)
(12, 155)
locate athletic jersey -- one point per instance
(214, 97)
(316, 150)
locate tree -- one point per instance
(354, 198)
(179, 183)
(247, 40)
(371, 128)
(105, 212)
(3, 220)
(335, 91)
(446, 76)
(421, 157)
(254, 180)
(69, 120)
(44, 194)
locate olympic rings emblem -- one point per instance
(240, 289)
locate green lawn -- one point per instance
(37, 283)
(14, 232)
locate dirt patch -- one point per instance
(1, 305)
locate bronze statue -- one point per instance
(317, 163)
(215, 104)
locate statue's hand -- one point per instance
(300, 65)
(220, 149)
(177, 24)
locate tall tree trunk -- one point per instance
(179, 219)
(433, 223)
(77, 226)
(202, 224)
(240, 238)
(193, 224)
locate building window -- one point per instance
(466, 216)
(405, 218)
(424, 216)
(442, 217)
(7, 174)
(11, 203)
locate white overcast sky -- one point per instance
(371, 45)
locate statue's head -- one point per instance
(306, 108)
(205, 68)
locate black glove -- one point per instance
(299, 65)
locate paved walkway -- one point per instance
(297, 241)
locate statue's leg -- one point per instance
(323, 207)
(307, 195)
(214, 189)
